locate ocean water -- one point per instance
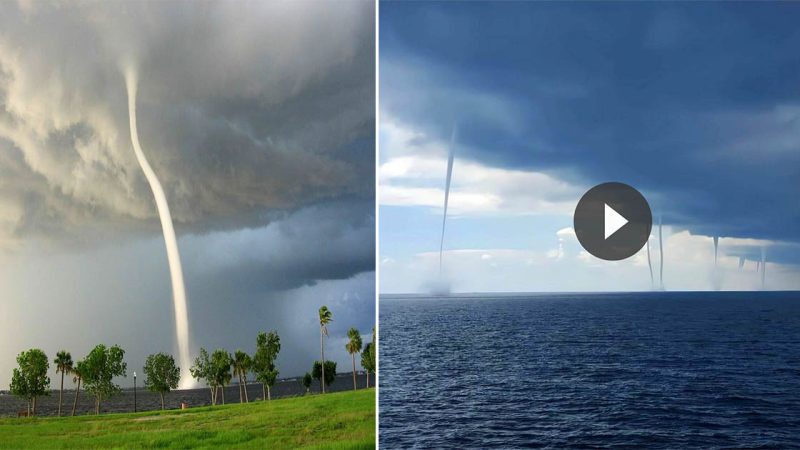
(656, 370)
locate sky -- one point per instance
(697, 105)
(259, 120)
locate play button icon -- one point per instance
(612, 221)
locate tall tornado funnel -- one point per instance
(450, 157)
(715, 275)
(763, 267)
(741, 262)
(661, 254)
(173, 256)
(716, 248)
(650, 265)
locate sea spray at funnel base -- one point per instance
(173, 256)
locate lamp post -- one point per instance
(134, 391)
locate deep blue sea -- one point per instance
(656, 370)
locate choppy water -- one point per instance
(670, 370)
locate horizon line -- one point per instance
(507, 293)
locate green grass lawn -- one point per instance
(341, 420)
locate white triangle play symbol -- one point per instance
(613, 221)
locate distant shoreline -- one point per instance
(11, 405)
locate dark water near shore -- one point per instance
(668, 370)
(123, 402)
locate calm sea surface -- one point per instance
(668, 370)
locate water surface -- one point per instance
(670, 370)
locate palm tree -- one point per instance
(78, 371)
(226, 380)
(63, 364)
(236, 365)
(226, 377)
(241, 365)
(366, 362)
(353, 346)
(246, 366)
(325, 317)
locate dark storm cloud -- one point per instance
(697, 104)
(243, 107)
(243, 281)
(324, 242)
(781, 253)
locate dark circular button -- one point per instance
(612, 221)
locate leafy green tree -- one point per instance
(30, 379)
(162, 374)
(201, 371)
(221, 370)
(102, 364)
(268, 379)
(330, 372)
(316, 373)
(241, 366)
(78, 370)
(353, 346)
(63, 364)
(326, 373)
(325, 317)
(368, 360)
(267, 348)
(373, 354)
(307, 380)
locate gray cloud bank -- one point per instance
(695, 104)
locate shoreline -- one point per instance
(123, 402)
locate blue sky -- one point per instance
(696, 105)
